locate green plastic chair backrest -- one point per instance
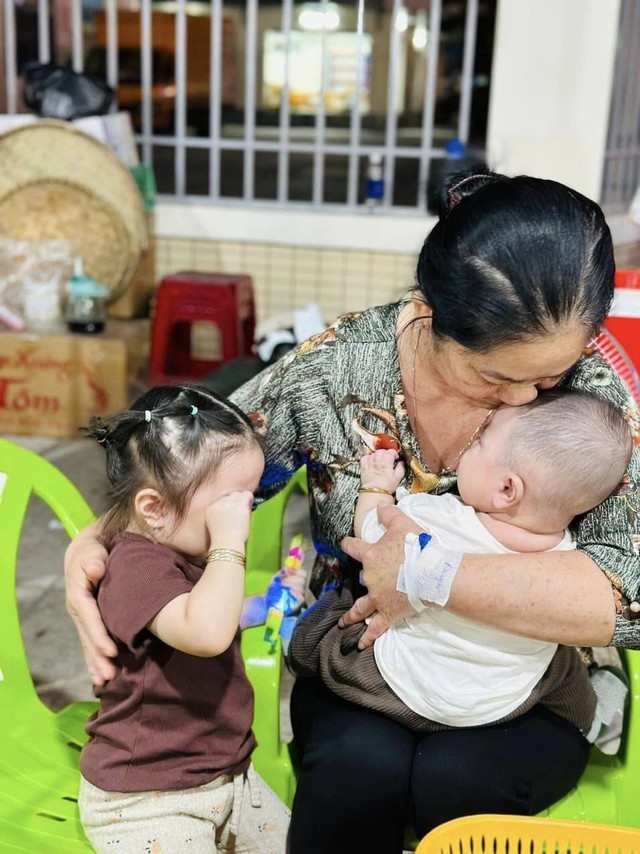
(39, 752)
(24, 474)
(263, 661)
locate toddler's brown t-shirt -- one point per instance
(167, 720)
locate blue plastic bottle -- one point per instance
(374, 189)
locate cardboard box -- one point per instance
(134, 302)
(50, 385)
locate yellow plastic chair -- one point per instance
(39, 749)
(506, 834)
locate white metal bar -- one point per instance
(146, 74)
(250, 97)
(10, 54)
(468, 61)
(429, 100)
(329, 207)
(611, 173)
(181, 98)
(622, 85)
(632, 111)
(111, 10)
(318, 154)
(354, 124)
(623, 152)
(215, 97)
(285, 109)
(410, 152)
(392, 119)
(44, 34)
(625, 38)
(77, 49)
(635, 141)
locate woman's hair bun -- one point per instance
(460, 185)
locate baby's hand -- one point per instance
(228, 518)
(382, 469)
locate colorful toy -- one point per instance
(281, 602)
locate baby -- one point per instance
(533, 470)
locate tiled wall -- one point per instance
(287, 277)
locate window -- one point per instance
(271, 102)
(622, 160)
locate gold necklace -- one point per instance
(447, 470)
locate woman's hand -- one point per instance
(84, 567)
(380, 564)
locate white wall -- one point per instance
(551, 88)
(325, 230)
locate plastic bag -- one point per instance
(56, 92)
(33, 274)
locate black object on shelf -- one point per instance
(57, 92)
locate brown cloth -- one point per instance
(318, 648)
(167, 720)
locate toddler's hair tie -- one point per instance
(194, 410)
(147, 415)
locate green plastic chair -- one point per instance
(39, 754)
(39, 751)
(609, 789)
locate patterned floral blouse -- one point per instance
(343, 387)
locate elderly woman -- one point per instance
(512, 284)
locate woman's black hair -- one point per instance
(513, 258)
(172, 439)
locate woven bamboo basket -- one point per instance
(53, 209)
(37, 158)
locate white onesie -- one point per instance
(448, 668)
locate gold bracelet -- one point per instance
(377, 489)
(230, 555)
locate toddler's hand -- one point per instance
(382, 469)
(228, 518)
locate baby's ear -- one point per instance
(150, 507)
(509, 492)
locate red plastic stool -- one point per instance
(200, 321)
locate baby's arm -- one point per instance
(380, 476)
(204, 621)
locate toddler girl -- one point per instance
(168, 764)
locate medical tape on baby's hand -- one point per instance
(428, 571)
